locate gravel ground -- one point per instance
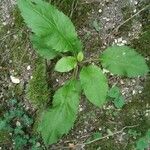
(109, 14)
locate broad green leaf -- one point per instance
(42, 48)
(124, 61)
(94, 84)
(60, 118)
(52, 25)
(66, 64)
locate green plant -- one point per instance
(115, 94)
(14, 123)
(53, 36)
(96, 25)
(144, 142)
(133, 133)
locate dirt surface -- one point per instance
(96, 21)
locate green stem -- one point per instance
(75, 72)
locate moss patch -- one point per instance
(37, 91)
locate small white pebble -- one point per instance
(100, 129)
(28, 67)
(120, 39)
(124, 41)
(140, 92)
(80, 108)
(147, 114)
(18, 123)
(121, 81)
(120, 44)
(57, 80)
(123, 93)
(38, 144)
(14, 80)
(115, 40)
(104, 18)
(135, 2)
(107, 19)
(133, 92)
(26, 107)
(99, 10)
(4, 23)
(15, 37)
(10, 133)
(105, 70)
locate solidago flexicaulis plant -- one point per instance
(54, 33)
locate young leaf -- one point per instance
(114, 92)
(45, 20)
(80, 56)
(96, 25)
(124, 61)
(94, 84)
(119, 102)
(66, 64)
(60, 118)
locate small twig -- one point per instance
(117, 28)
(73, 7)
(109, 135)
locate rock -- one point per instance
(15, 80)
